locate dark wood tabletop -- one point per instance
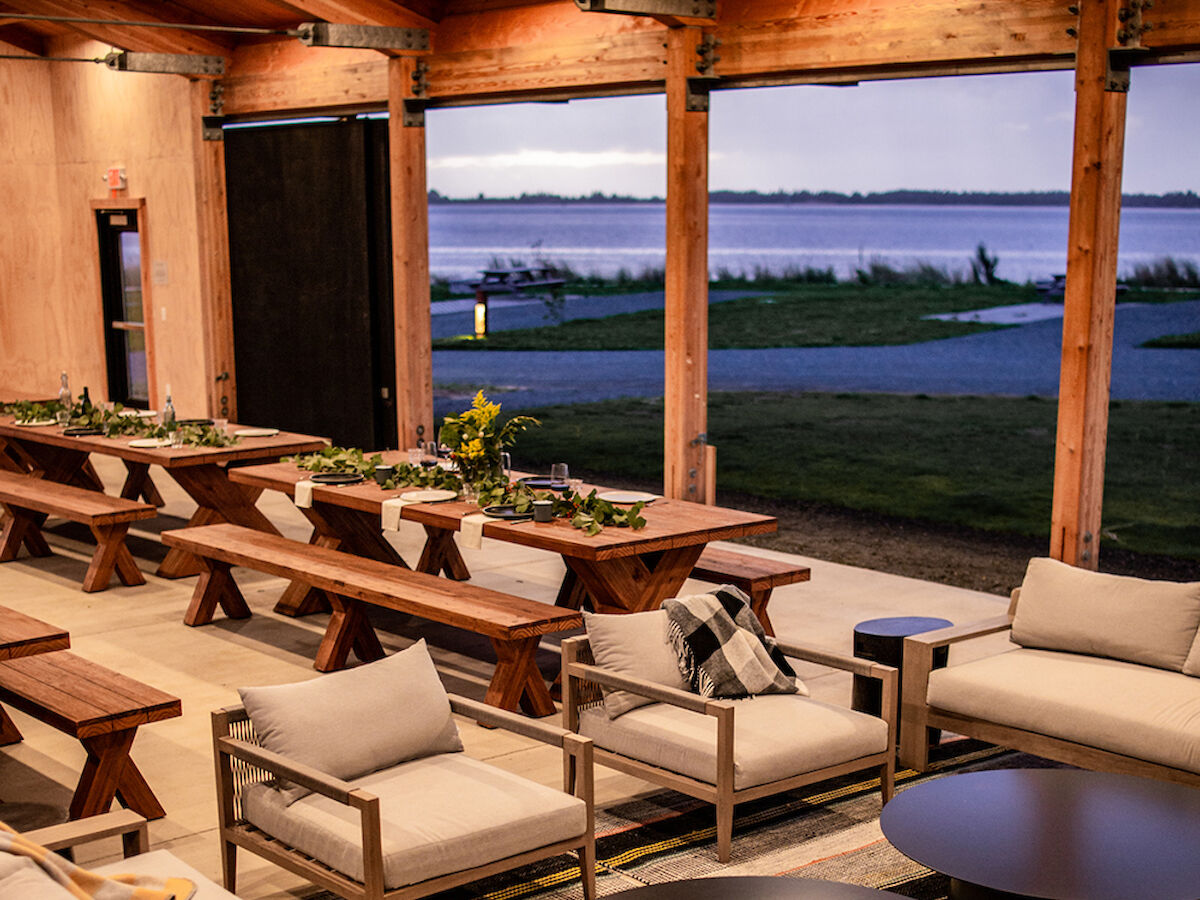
(1052, 833)
(281, 444)
(669, 523)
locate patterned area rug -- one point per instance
(828, 831)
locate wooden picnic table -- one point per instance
(623, 570)
(201, 471)
(22, 635)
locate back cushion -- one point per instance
(1065, 608)
(349, 723)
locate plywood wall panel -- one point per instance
(33, 347)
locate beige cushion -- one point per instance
(775, 736)
(634, 644)
(1192, 665)
(349, 723)
(440, 814)
(1122, 707)
(164, 864)
(1066, 608)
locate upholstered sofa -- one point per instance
(1102, 672)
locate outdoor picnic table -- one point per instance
(623, 570)
(22, 635)
(201, 471)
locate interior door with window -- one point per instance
(124, 307)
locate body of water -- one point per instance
(1031, 242)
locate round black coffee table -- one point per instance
(1052, 833)
(752, 887)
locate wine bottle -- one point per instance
(85, 400)
(168, 412)
(64, 392)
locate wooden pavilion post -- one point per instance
(410, 251)
(1100, 95)
(686, 350)
(212, 233)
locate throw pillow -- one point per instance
(634, 644)
(1062, 607)
(350, 723)
(723, 649)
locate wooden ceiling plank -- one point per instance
(366, 12)
(149, 40)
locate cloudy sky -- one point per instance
(992, 132)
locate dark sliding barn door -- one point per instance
(310, 263)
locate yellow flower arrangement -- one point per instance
(476, 442)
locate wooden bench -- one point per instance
(756, 575)
(101, 708)
(514, 625)
(30, 500)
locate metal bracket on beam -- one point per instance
(706, 56)
(688, 9)
(366, 37)
(414, 106)
(697, 94)
(165, 63)
(1117, 79)
(1132, 27)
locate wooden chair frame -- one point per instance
(240, 761)
(919, 716)
(582, 679)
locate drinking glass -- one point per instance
(559, 473)
(176, 438)
(506, 466)
(220, 425)
(414, 456)
(63, 417)
(576, 485)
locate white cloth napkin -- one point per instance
(303, 498)
(389, 512)
(470, 534)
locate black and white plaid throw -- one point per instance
(723, 649)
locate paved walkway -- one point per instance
(1013, 362)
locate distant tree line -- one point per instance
(1174, 199)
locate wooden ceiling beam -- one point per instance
(149, 40)
(536, 50)
(371, 12)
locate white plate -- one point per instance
(150, 443)
(140, 413)
(256, 432)
(32, 423)
(430, 496)
(627, 497)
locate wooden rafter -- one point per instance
(149, 40)
(408, 14)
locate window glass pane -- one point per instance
(135, 362)
(131, 275)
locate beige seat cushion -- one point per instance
(775, 736)
(1065, 608)
(1122, 707)
(440, 814)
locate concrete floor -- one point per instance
(139, 631)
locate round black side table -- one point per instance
(882, 641)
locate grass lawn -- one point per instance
(820, 315)
(982, 462)
(1176, 342)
